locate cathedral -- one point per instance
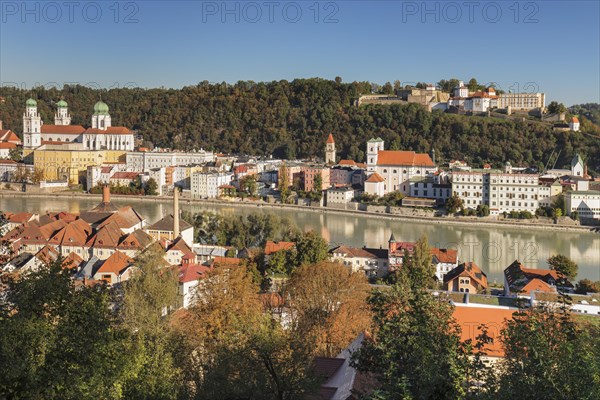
(101, 136)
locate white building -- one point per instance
(143, 161)
(574, 124)
(522, 101)
(430, 188)
(373, 262)
(585, 203)
(340, 195)
(206, 184)
(101, 136)
(396, 167)
(500, 191)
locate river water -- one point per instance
(492, 248)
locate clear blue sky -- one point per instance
(555, 45)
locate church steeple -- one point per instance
(32, 126)
(62, 116)
(330, 150)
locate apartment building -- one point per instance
(206, 184)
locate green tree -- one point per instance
(454, 204)
(151, 187)
(15, 154)
(587, 286)
(284, 183)
(311, 248)
(61, 342)
(549, 356)
(248, 184)
(563, 265)
(556, 108)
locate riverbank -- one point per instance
(259, 204)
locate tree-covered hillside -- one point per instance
(293, 119)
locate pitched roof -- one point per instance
(330, 139)
(192, 272)
(537, 285)
(112, 130)
(575, 120)
(179, 245)
(362, 252)
(106, 237)
(325, 367)
(6, 135)
(125, 175)
(444, 255)
(72, 261)
(20, 217)
(7, 145)
(469, 269)
(125, 218)
(518, 276)
(347, 162)
(115, 264)
(470, 318)
(47, 254)
(226, 261)
(27, 234)
(273, 247)
(166, 224)
(376, 178)
(51, 228)
(401, 157)
(137, 240)
(63, 129)
(73, 234)
(94, 217)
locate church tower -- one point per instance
(101, 117)
(374, 146)
(330, 150)
(32, 126)
(62, 116)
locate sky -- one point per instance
(527, 46)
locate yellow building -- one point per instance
(70, 162)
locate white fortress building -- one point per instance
(101, 136)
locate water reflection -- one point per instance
(491, 248)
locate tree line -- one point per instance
(293, 119)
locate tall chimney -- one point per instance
(175, 212)
(106, 194)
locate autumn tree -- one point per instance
(229, 347)
(562, 264)
(284, 183)
(454, 204)
(311, 248)
(327, 304)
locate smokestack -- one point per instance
(106, 194)
(175, 212)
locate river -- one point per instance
(492, 248)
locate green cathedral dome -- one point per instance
(62, 104)
(100, 108)
(31, 103)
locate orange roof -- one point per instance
(107, 237)
(6, 135)
(469, 269)
(47, 254)
(375, 178)
(192, 272)
(330, 139)
(273, 247)
(72, 261)
(74, 234)
(137, 240)
(347, 162)
(63, 129)
(226, 260)
(471, 317)
(400, 157)
(125, 175)
(575, 120)
(444, 255)
(7, 145)
(116, 263)
(537, 285)
(50, 229)
(532, 272)
(179, 245)
(20, 217)
(7, 162)
(113, 130)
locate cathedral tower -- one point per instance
(32, 126)
(330, 150)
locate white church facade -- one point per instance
(101, 136)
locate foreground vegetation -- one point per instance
(62, 340)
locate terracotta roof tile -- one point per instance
(106, 237)
(408, 158)
(273, 247)
(376, 178)
(192, 272)
(115, 264)
(444, 255)
(63, 129)
(330, 139)
(113, 130)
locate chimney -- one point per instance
(584, 165)
(106, 194)
(0, 124)
(433, 154)
(175, 212)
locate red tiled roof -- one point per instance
(20, 217)
(401, 157)
(226, 261)
(330, 139)
(7, 162)
(107, 237)
(6, 135)
(575, 120)
(7, 145)
(470, 318)
(273, 247)
(113, 130)
(192, 272)
(72, 261)
(468, 269)
(538, 285)
(347, 162)
(375, 177)
(125, 175)
(444, 255)
(74, 234)
(116, 263)
(63, 129)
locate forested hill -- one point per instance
(293, 119)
